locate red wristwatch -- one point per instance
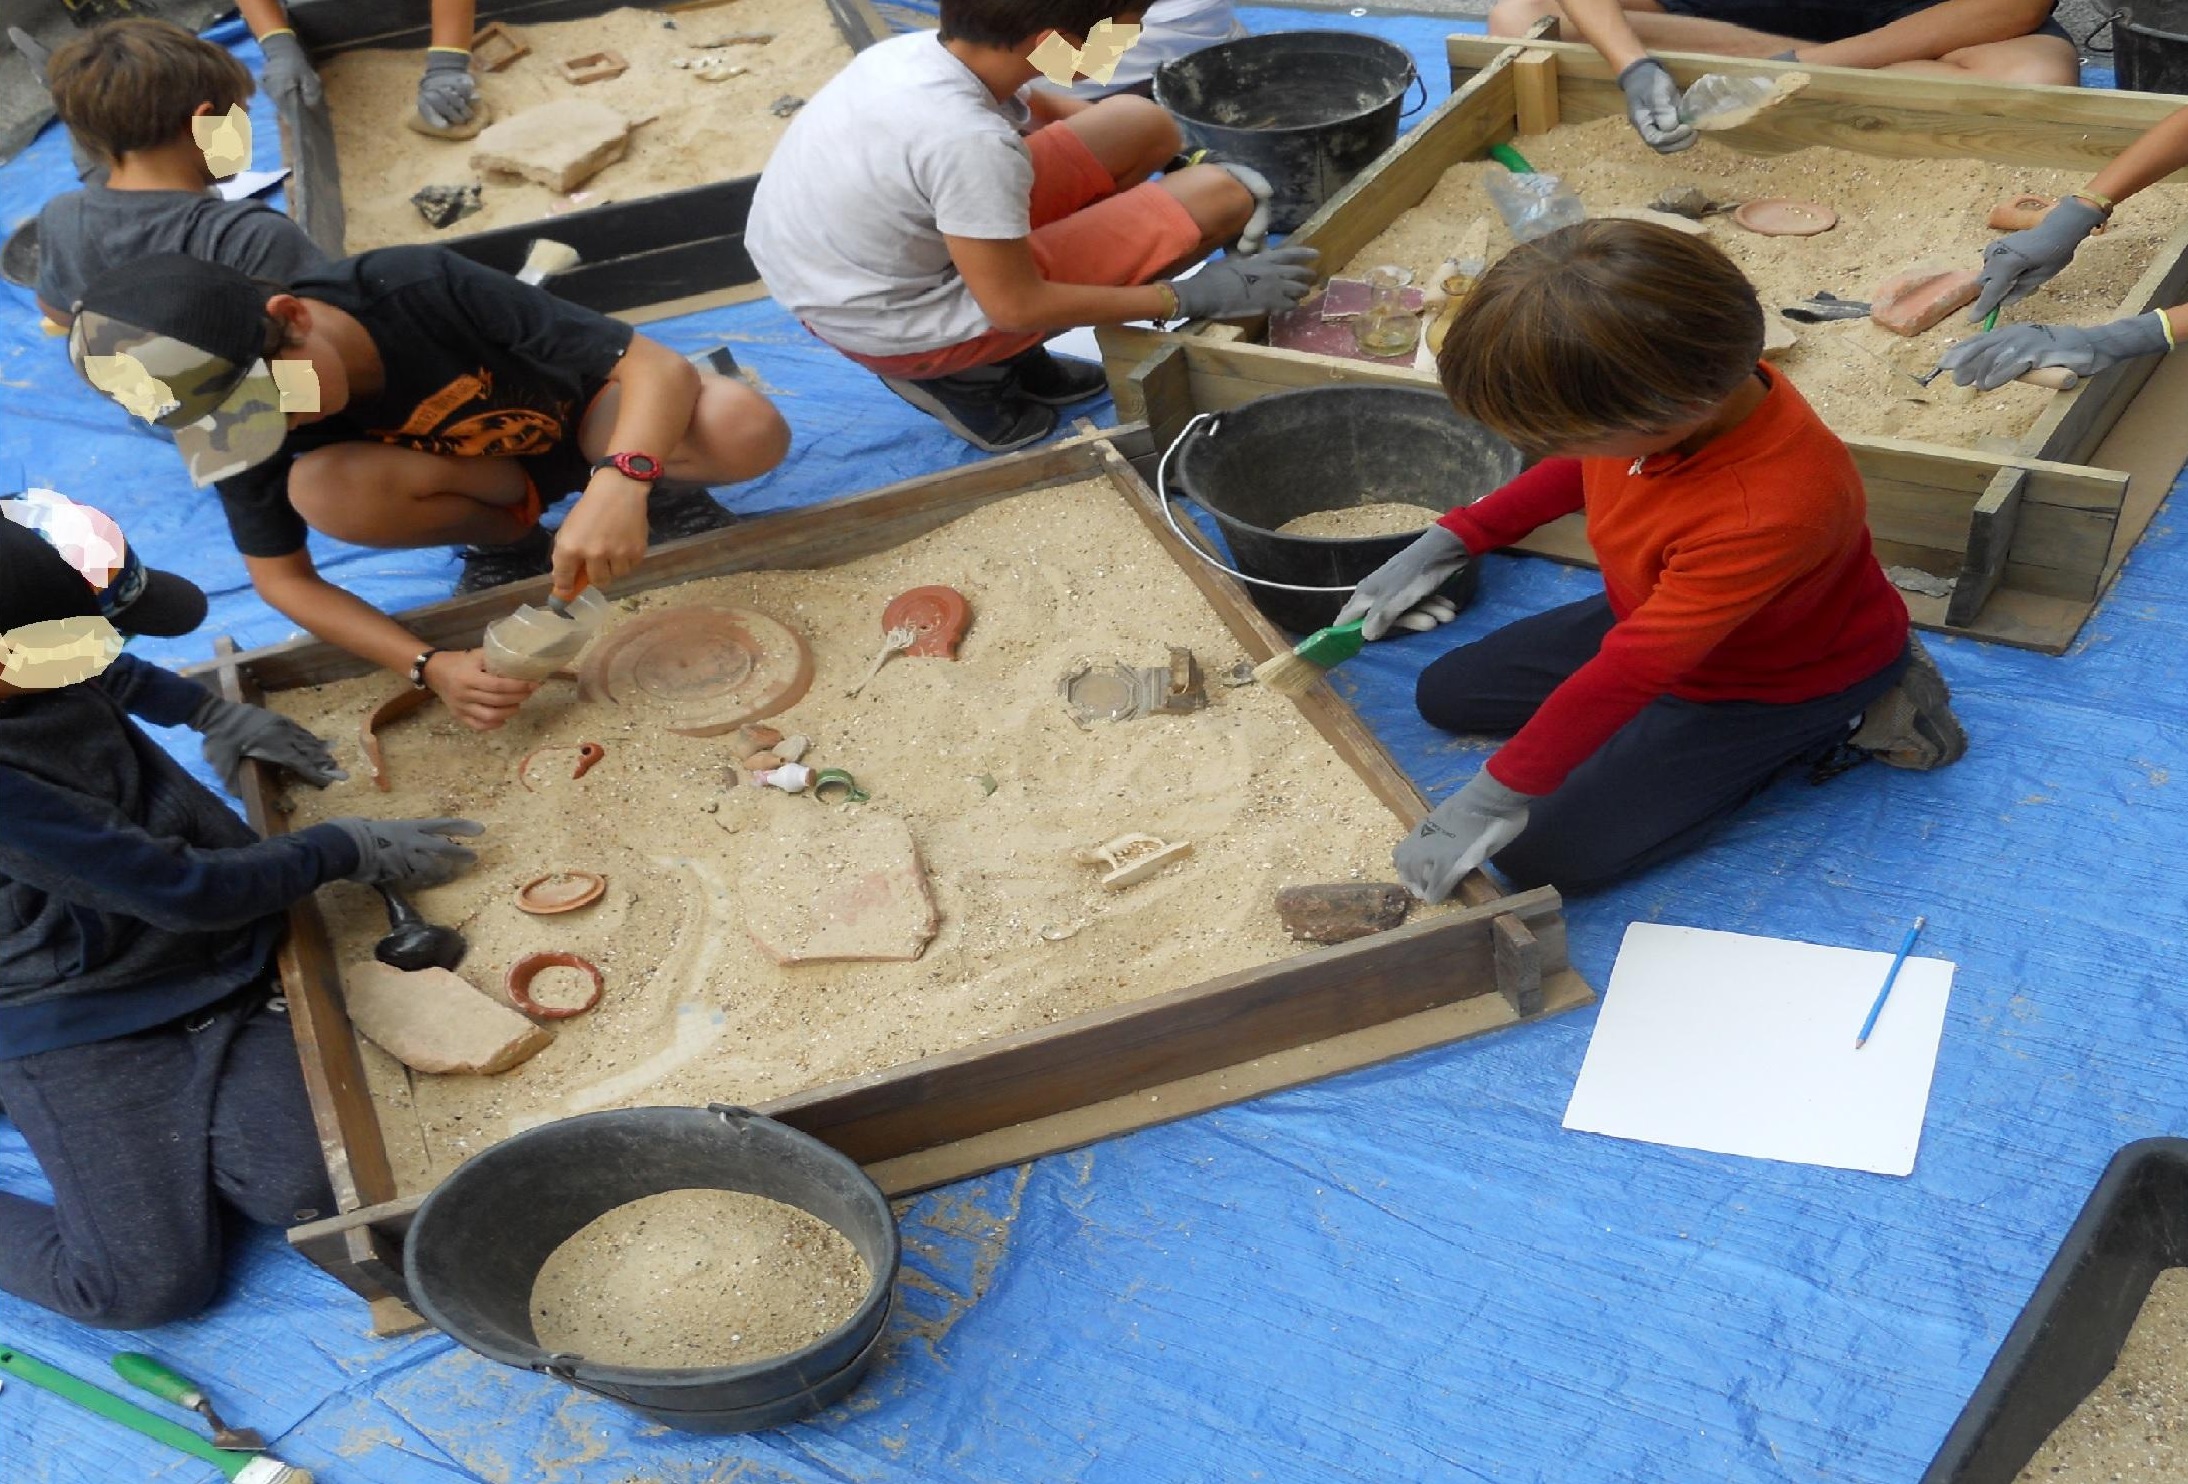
(640, 466)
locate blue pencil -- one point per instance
(1906, 946)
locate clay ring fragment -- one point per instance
(517, 984)
(560, 891)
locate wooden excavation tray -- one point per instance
(2034, 536)
(642, 260)
(1500, 960)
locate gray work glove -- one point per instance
(1990, 361)
(447, 92)
(1463, 831)
(1255, 235)
(1391, 590)
(1652, 104)
(233, 732)
(2020, 263)
(1233, 287)
(409, 853)
(289, 72)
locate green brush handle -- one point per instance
(1511, 159)
(147, 1374)
(106, 1404)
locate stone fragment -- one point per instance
(1778, 336)
(786, 105)
(1916, 300)
(560, 145)
(1337, 912)
(792, 749)
(431, 1020)
(445, 205)
(764, 762)
(844, 888)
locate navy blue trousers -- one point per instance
(1662, 782)
(145, 1139)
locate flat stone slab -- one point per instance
(432, 1020)
(561, 145)
(1338, 912)
(848, 889)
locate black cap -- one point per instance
(48, 538)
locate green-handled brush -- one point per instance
(1295, 672)
(242, 1468)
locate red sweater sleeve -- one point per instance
(1707, 590)
(1544, 493)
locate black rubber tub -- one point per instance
(2150, 45)
(1328, 448)
(2067, 1340)
(481, 1237)
(1308, 109)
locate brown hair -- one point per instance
(1599, 330)
(133, 84)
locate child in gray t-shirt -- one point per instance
(936, 221)
(127, 91)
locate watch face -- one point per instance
(637, 465)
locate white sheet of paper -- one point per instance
(249, 183)
(1745, 1045)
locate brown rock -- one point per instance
(1919, 298)
(841, 890)
(1337, 912)
(433, 1021)
(560, 145)
(761, 762)
(757, 738)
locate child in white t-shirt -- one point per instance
(935, 220)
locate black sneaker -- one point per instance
(983, 406)
(530, 555)
(718, 360)
(1056, 381)
(1912, 725)
(676, 510)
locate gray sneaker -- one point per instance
(1912, 725)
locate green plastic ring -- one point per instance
(836, 778)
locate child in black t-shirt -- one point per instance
(409, 397)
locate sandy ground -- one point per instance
(697, 1278)
(701, 131)
(1892, 214)
(2134, 1427)
(1383, 518)
(693, 1012)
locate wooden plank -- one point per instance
(1878, 113)
(1534, 91)
(1518, 964)
(2149, 442)
(1158, 393)
(646, 314)
(821, 535)
(2077, 420)
(1991, 527)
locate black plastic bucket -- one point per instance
(1327, 448)
(481, 1237)
(2150, 45)
(1308, 109)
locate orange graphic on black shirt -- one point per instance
(492, 432)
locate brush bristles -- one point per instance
(1288, 674)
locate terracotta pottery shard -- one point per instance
(593, 67)
(937, 616)
(433, 1021)
(560, 891)
(1918, 299)
(2018, 213)
(699, 670)
(394, 708)
(850, 888)
(1338, 912)
(495, 47)
(1778, 217)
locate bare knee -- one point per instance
(1513, 17)
(1145, 125)
(2028, 59)
(739, 433)
(322, 491)
(1220, 206)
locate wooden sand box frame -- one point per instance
(1485, 964)
(2028, 538)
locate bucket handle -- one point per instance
(1416, 81)
(1169, 512)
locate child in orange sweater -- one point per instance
(1744, 625)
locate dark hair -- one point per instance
(133, 84)
(1601, 329)
(1008, 22)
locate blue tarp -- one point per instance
(1407, 1273)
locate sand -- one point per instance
(1892, 214)
(1382, 518)
(2131, 1428)
(693, 1012)
(697, 1278)
(702, 131)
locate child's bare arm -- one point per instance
(292, 586)
(1049, 108)
(1007, 282)
(604, 535)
